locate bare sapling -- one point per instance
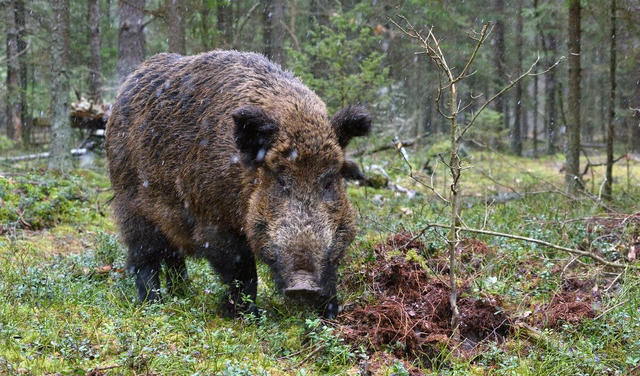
(450, 106)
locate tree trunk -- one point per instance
(22, 47)
(60, 113)
(274, 31)
(534, 127)
(130, 37)
(95, 76)
(267, 26)
(634, 135)
(14, 93)
(550, 106)
(223, 12)
(516, 140)
(572, 167)
(175, 23)
(499, 61)
(612, 104)
(279, 31)
(205, 14)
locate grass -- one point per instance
(67, 306)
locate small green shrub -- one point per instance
(36, 201)
(6, 143)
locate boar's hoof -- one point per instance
(330, 311)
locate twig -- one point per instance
(538, 336)
(511, 84)
(98, 370)
(244, 22)
(541, 242)
(610, 309)
(590, 165)
(24, 50)
(311, 354)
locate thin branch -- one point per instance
(572, 251)
(511, 84)
(26, 48)
(484, 34)
(244, 22)
(590, 165)
(311, 354)
(292, 34)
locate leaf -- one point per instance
(633, 251)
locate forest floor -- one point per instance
(67, 306)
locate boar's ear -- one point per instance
(350, 122)
(351, 171)
(255, 131)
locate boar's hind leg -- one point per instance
(235, 264)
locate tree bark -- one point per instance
(14, 92)
(516, 140)
(95, 76)
(267, 29)
(534, 127)
(572, 167)
(22, 60)
(130, 37)
(612, 104)
(550, 106)
(499, 61)
(175, 22)
(634, 137)
(223, 24)
(60, 100)
(205, 14)
(274, 31)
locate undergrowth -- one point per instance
(67, 305)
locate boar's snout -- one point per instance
(303, 287)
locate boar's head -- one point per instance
(299, 219)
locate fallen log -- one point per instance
(29, 157)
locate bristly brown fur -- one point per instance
(224, 155)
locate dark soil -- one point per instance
(411, 313)
(574, 304)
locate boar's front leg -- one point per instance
(233, 260)
(329, 301)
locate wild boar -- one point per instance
(226, 156)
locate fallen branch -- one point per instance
(590, 165)
(99, 370)
(26, 157)
(74, 152)
(572, 251)
(538, 337)
(311, 355)
(395, 145)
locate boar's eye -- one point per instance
(328, 185)
(328, 189)
(282, 184)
